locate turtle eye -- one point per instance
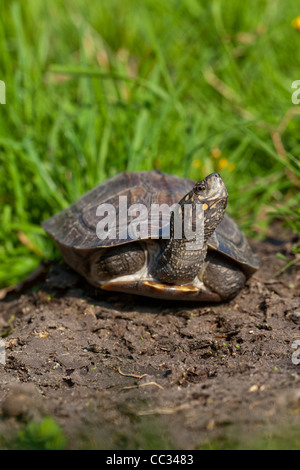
(199, 187)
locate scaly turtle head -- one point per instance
(193, 221)
(211, 194)
(201, 210)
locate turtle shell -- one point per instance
(75, 227)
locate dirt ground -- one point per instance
(124, 372)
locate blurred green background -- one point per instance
(188, 87)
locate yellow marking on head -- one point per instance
(205, 206)
(214, 203)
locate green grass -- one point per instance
(33, 435)
(46, 435)
(94, 88)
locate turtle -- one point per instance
(197, 253)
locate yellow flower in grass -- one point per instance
(197, 163)
(209, 166)
(222, 163)
(296, 23)
(216, 152)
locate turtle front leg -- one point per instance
(116, 262)
(221, 276)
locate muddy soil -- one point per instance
(125, 372)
